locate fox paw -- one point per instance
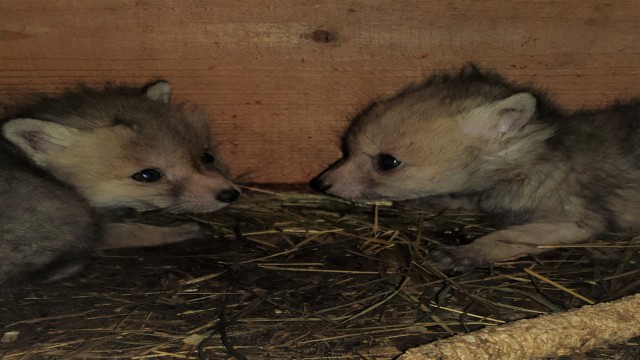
(455, 258)
(190, 231)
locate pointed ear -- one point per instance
(158, 91)
(40, 140)
(470, 69)
(501, 118)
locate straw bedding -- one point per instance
(297, 276)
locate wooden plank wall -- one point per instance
(281, 78)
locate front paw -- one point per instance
(191, 230)
(456, 258)
(123, 235)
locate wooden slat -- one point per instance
(279, 95)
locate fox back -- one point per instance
(47, 230)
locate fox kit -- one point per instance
(542, 176)
(70, 164)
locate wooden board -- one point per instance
(281, 78)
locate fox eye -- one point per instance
(207, 158)
(147, 175)
(388, 162)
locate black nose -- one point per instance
(228, 196)
(318, 184)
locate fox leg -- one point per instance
(510, 243)
(123, 235)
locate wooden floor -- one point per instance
(282, 78)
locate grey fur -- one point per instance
(547, 179)
(43, 224)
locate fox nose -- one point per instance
(318, 184)
(228, 195)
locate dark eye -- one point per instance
(388, 162)
(147, 175)
(207, 158)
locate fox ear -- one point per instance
(158, 91)
(38, 139)
(501, 118)
(470, 69)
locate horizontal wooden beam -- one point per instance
(282, 78)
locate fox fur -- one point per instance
(544, 176)
(71, 164)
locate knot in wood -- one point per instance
(322, 36)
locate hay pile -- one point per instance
(294, 276)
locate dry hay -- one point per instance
(563, 333)
(294, 276)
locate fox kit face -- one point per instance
(122, 148)
(426, 142)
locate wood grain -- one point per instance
(282, 78)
